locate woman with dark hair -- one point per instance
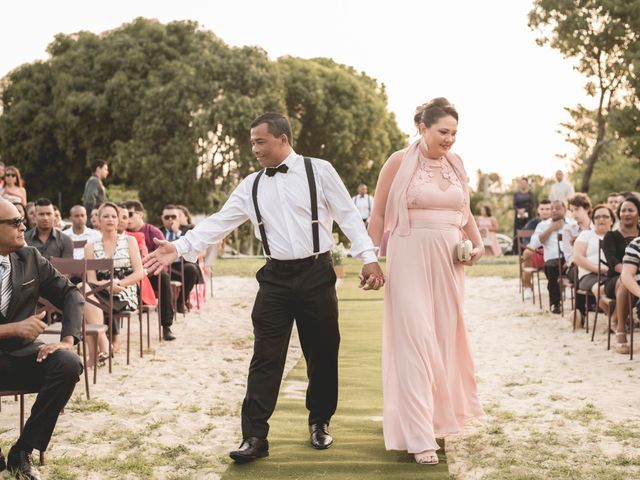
(14, 190)
(128, 271)
(488, 226)
(613, 246)
(184, 216)
(422, 204)
(21, 209)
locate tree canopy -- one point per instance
(170, 106)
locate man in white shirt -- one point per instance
(561, 190)
(79, 230)
(292, 204)
(363, 202)
(579, 220)
(546, 235)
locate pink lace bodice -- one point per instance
(435, 188)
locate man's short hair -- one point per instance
(613, 194)
(580, 200)
(170, 206)
(76, 207)
(560, 202)
(97, 164)
(277, 124)
(135, 205)
(43, 202)
(545, 201)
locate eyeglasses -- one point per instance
(602, 217)
(10, 175)
(14, 222)
(170, 217)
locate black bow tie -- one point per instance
(271, 171)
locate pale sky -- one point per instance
(509, 92)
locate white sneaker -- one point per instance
(528, 293)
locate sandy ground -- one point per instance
(175, 414)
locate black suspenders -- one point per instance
(315, 229)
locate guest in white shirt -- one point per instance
(546, 235)
(580, 220)
(292, 203)
(363, 202)
(586, 250)
(561, 190)
(79, 230)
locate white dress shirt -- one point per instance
(561, 191)
(89, 234)
(550, 246)
(364, 204)
(285, 205)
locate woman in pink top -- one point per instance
(488, 226)
(422, 203)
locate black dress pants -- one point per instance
(553, 274)
(54, 379)
(303, 290)
(166, 310)
(188, 282)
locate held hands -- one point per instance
(31, 327)
(475, 254)
(163, 256)
(371, 277)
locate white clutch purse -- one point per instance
(463, 250)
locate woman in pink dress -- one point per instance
(422, 204)
(488, 226)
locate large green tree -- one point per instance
(597, 35)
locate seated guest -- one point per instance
(530, 257)
(79, 230)
(31, 214)
(58, 222)
(148, 295)
(49, 241)
(546, 235)
(137, 224)
(184, 217)
(128, 271)
(586, 250)
(54, 369)
(614, 245)
(95, 222)
(580, 219)
(14, 190)
(21, 209)
(172, 230)
(630, 276)
(613, 201)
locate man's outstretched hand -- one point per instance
(371, 277)
(161, 257)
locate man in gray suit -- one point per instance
(52, 369)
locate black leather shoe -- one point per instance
(556, 309)
(167, 334)
(3, 465)
(320, 436)
(250, 449)
(20, 464)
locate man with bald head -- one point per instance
(561, 190)
(53, 368)
(79, 230)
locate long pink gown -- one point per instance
(428, 372)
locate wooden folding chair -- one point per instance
(19, 394)
(91, 297)
(521, 247)
(77, 268)
(79, 243)
(600, 297)
(177, 288)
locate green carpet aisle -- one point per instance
(358, 451)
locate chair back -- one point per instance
(79, 243)
(70, 266)
(520, 236)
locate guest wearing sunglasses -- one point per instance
(53, 368)
(173, 230)
(14, 190)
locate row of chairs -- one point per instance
(576, 293)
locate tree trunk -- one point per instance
(597, 148)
